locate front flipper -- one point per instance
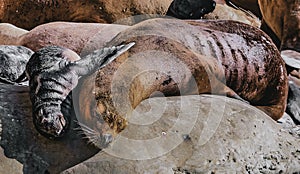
(98, 59)
(230, 93)
(219, 88)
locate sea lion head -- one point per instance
(190, 9)
(50, 121)
(50, 84)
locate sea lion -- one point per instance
(177, 57)
(28, 14)
(53, 72)
(282, 17)
(9, 34)
(282, 22)
(190, 9)
(72, 35)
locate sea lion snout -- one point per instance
(52, 125)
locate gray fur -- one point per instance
(51, 79)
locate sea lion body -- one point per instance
(283, 18)
(72, 35)
(176, 57)
(28, 14)
(9, 34)
(281, 21)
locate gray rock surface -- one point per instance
(21, 141)
(289, 125)
(191, 134)
(198, 134)
(13, 62)
(10, 166)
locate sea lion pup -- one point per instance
(190, 9)
(178, 57)
(53, 72)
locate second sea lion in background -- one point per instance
(190, 9)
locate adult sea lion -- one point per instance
(177, 57)
(73, 35)
(283, 18)
(28, 14)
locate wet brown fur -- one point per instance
(283, 18)
(258, 78)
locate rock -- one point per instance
(293, 102)
(79, 37)
(28, 14)
(9, 34)
(288, 124)
(10, 166)
(224, 12)
(197, 134)
(21, 141)
(13, 62)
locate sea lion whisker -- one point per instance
(54, 72)
(89, 133)
(87, 130)
(83, 126)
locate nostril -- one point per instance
(62, 120)
(214, 4)
(43, 121)
(58, 132)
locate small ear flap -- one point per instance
(13, 63)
